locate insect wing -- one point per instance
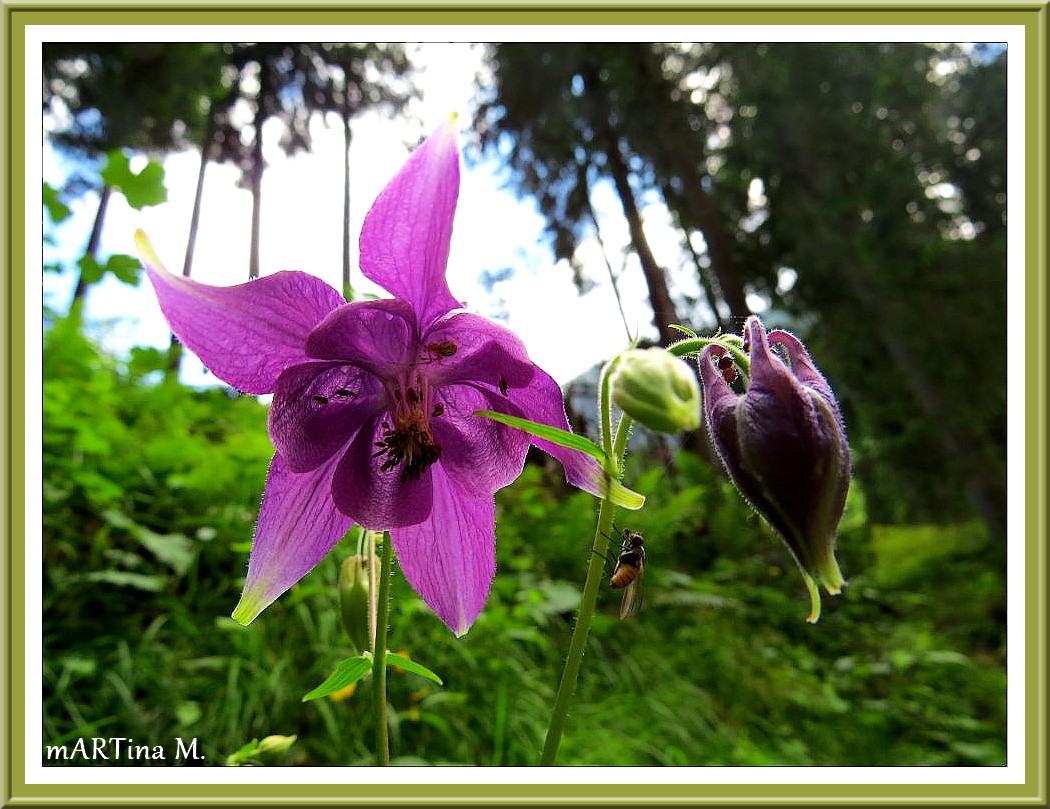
(632, 599)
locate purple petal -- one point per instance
(298, 525)
(379, 336)
(317, 407)
(478, 454)
(542, 401)
(450, 559)
(719, 399)
(245, 334)
(378, 499)
(406, 235)
(803, 368)
(484, 352)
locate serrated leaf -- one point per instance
(402, 662)
(348, 671)
(562, 438)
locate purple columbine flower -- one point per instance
(373, 401)
(784, 446)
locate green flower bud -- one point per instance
(355, 601)
(275, 744)
(657, 389)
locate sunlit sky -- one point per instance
(301, 229)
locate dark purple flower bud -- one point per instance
(784, 446)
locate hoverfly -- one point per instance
(627, 574)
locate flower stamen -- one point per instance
(409, 441)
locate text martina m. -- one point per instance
(120, 749)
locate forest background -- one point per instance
(855, 194)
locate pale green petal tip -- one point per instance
(248, 608)
(146, 251)
(814, 599)
(830, 577)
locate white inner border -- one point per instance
(1013, 773)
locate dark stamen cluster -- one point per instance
(411, 445)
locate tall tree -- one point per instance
(147, 97)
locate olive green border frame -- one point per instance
(18, 256)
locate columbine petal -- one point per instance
(378, 499)
(318, 407)
(379, 336)
(406, 234)
(803, 369)
(297, 526)
(450, 559)
(542, 401)
(479, 454)
(245, 334)
(483, 351)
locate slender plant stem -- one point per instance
(578, 644)
(379, 658)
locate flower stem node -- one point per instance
(656, 389)
(783, 443)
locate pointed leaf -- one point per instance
(560, 437)
(347, 672)
(611, 489)
(412, 666)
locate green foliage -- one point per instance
(125, 268)
(141, 189)
(56, 208)
(149, 499)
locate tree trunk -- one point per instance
(174, 346)
(696, 210)
(348, 291)
(256, 183)
(663, 307)
(92, 246)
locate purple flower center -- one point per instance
(409, 441)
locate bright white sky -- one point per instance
(302, 225)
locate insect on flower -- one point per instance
(628, 573)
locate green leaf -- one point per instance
(126, 268)
(90, 270)
(614, 490)
(412, 666)
(139, 581)
(56, 208)
(562, 438)
(141, 190)
(347, 672)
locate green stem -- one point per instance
(578, 644)
(694, 345)
(379, 658)
(614, 451)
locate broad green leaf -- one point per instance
(126, 268)
(91, 271)
(412, 666)
(347, 672)
(141, 190)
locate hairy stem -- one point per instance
(379, 659)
